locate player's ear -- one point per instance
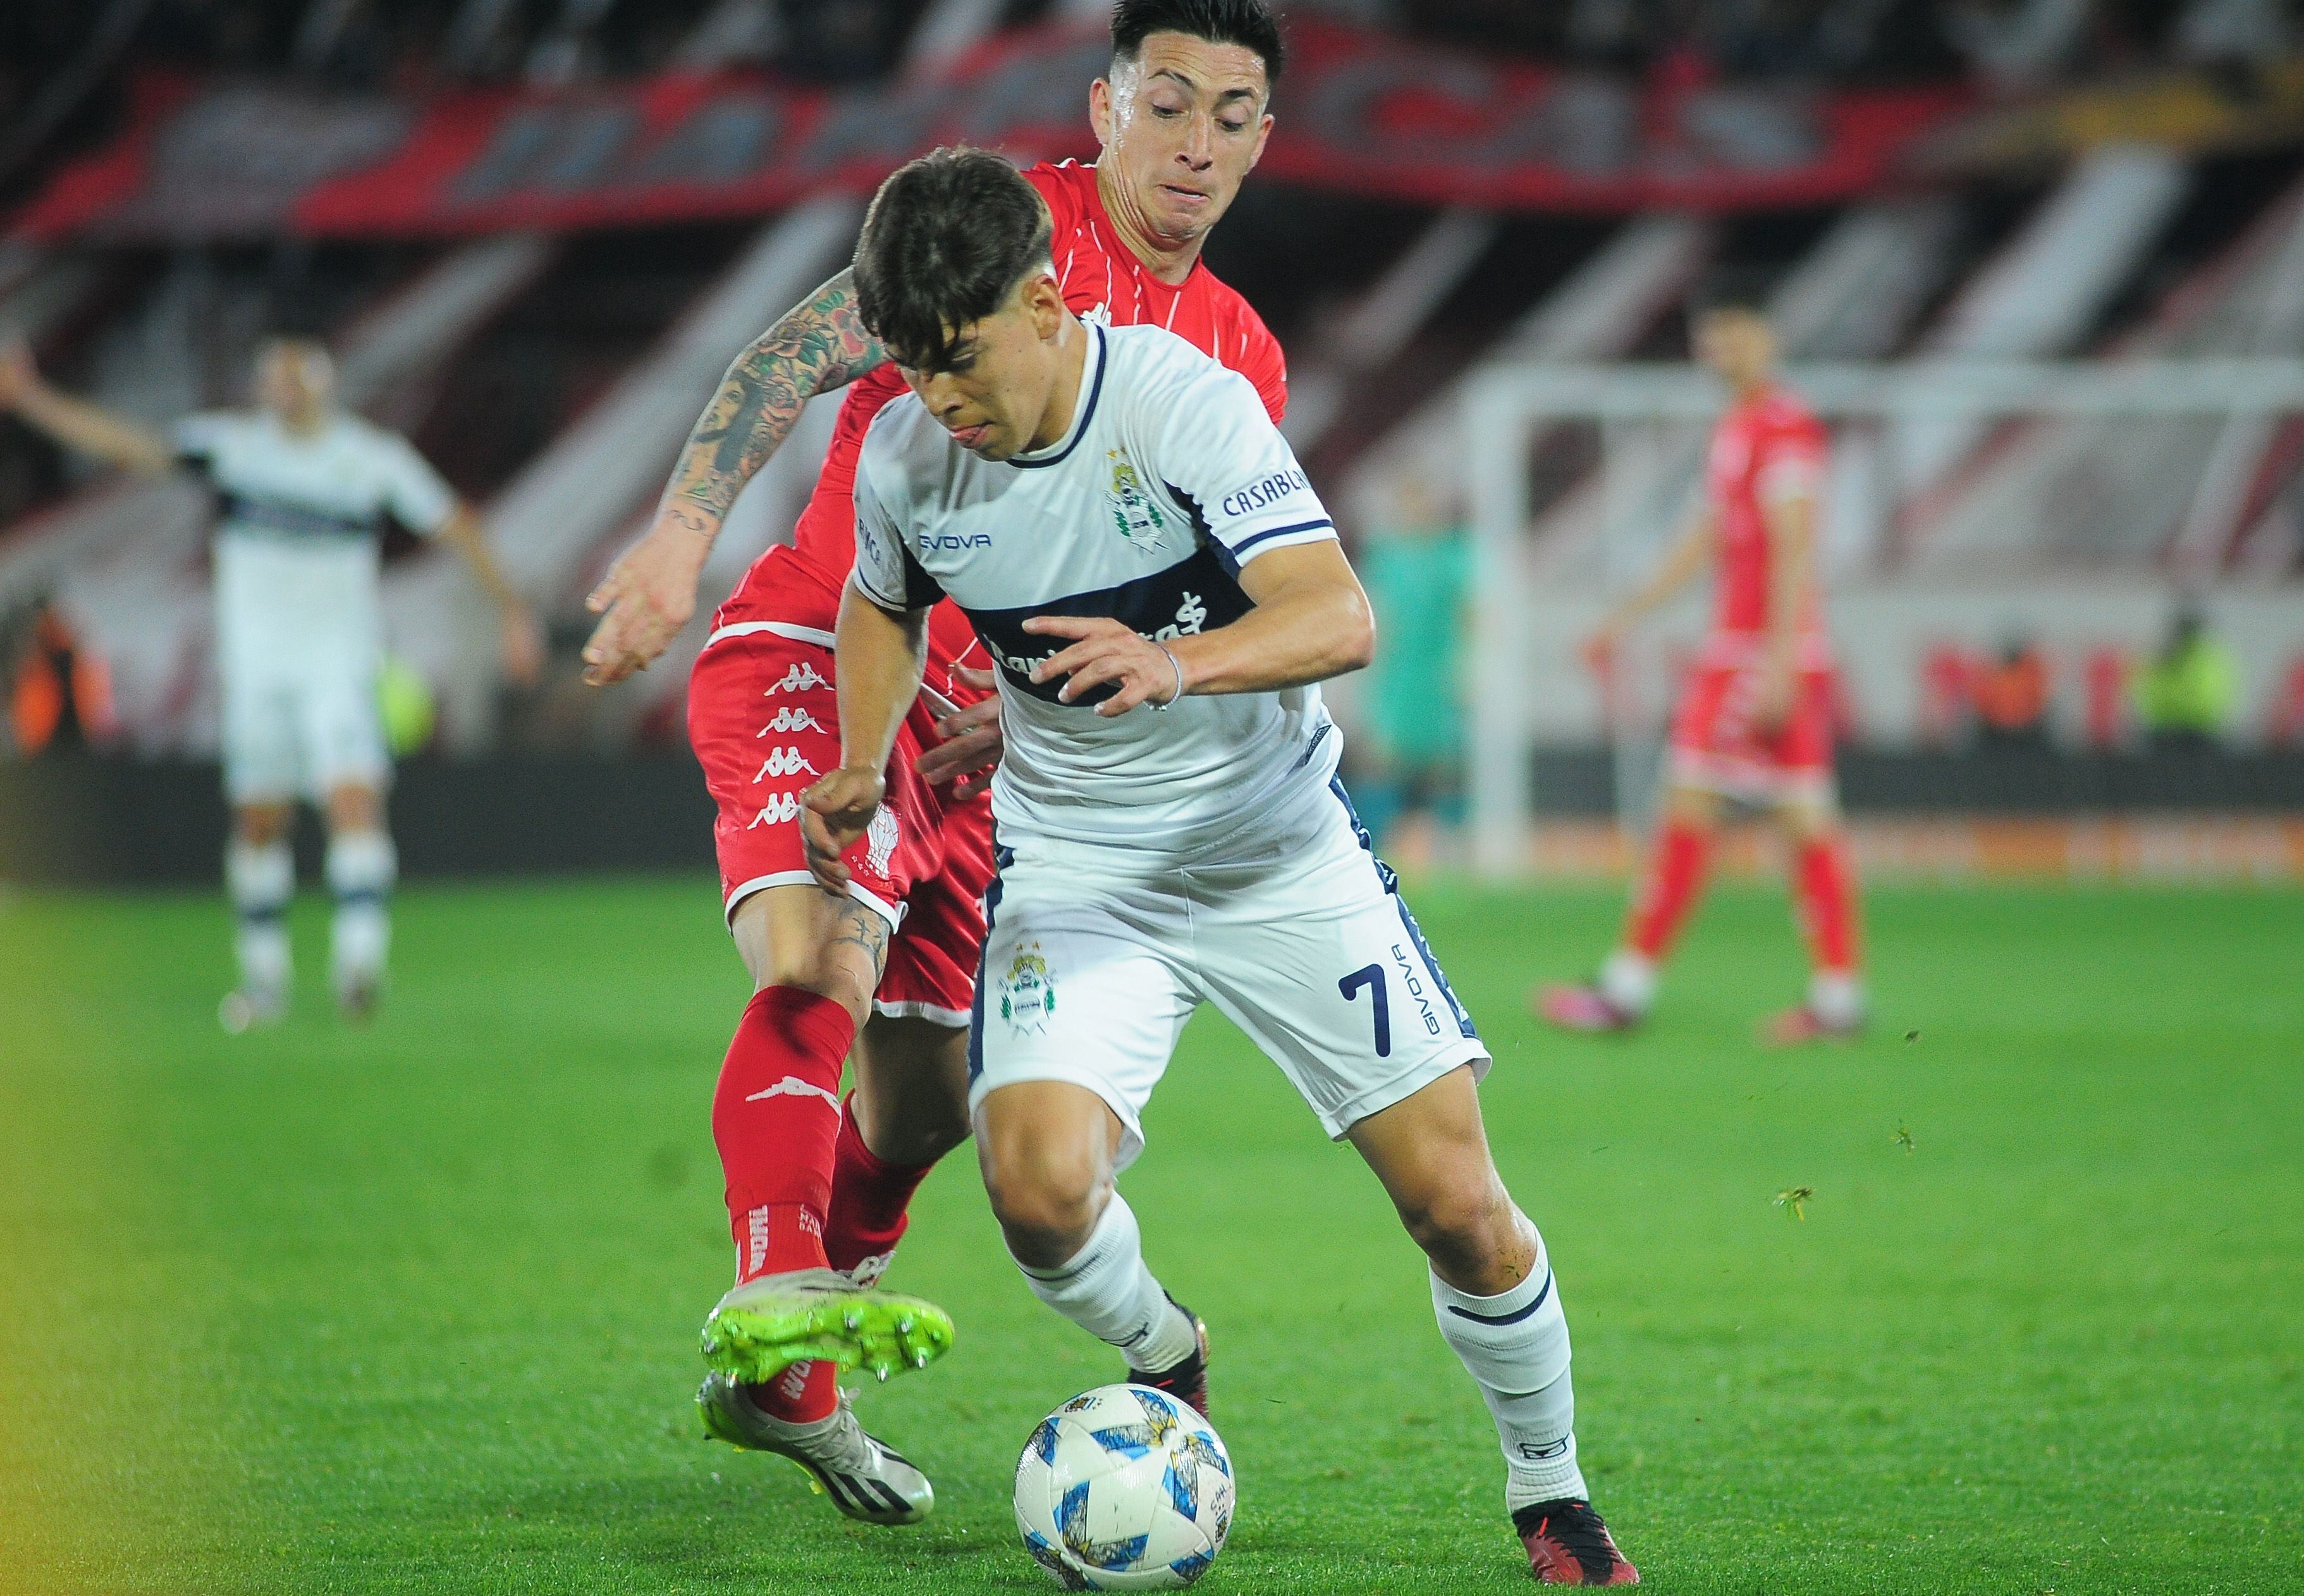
(1263, 137)
(1099, 111)
(1045, 302)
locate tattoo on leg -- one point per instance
(863, 928)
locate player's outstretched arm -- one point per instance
(651, 591)
(523, 640)
(878, 657)
(1682, 563)
(76, 423)
(1311, 621)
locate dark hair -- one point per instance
(1733, 288)
(1249, 23)
(944, 245)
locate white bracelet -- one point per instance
(1179, 678)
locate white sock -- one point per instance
(1515, 1347)
(1837, 996)
(260, 880)
(361, 867)
(1629, 981)
(1105, 1289)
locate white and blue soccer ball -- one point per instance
(1124, 1489)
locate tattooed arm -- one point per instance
(649, 593)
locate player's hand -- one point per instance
(523, 645)
(18, 375)
(644, 599)
(971, 742)
(1142, 671)
(833, 814)
(1600, 650)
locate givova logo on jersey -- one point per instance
(1134, 510)
(1027, 992)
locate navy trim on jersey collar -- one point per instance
(1086, 411)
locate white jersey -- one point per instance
(1170, 477)
(298, 539)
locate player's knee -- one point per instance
(260, 825)
(1807, 819)
(1463, 1222)
(1045, 1199)
(784, 956)
(1692, 806)
(352, 807)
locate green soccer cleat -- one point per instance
(763, 1328)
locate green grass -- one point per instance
(415, 1308)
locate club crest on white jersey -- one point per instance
(1134, 512)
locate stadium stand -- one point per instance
(637, 185)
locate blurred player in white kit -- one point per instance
(302, 491)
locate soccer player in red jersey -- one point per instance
(1754, 721)
(817, 1186)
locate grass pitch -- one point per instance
(414, 1307)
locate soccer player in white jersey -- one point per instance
(1162, 592)
(303, 489)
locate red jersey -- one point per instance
(1101, 279)
(1766, 450)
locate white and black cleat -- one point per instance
(358, 997)
(865, 1479)
(245, 1008)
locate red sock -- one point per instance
(774, 1117)
(1675, 875)
(1824, 883)
(869, 1197)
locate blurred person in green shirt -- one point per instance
(1418, 571)
(2185, 694)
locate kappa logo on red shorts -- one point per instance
(799, 678)
(785, 761)
(791, 717)
(781, 810)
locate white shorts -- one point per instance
(1096, 955)
(305, 733)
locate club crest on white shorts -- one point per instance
(1027, 992)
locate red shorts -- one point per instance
(1716, 746)
(765, 722)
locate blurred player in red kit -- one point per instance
(1754, 720)
(818, 1185)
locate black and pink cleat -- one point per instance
(1582, 1009)
(1188, 1382)
(1567, 1545)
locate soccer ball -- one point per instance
(1124, 1489)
